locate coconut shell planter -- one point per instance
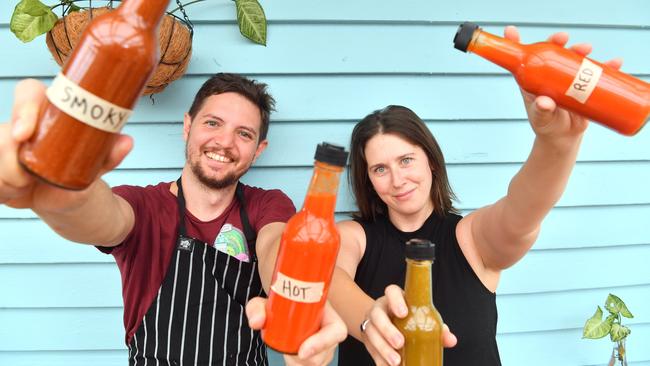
(32, 18)
(175, 39)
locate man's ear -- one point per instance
(260, 147)
(187, 123)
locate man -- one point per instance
(188, 251)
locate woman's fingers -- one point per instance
(387, 352)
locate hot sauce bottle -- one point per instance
(577, 83)
(91, 98)
(422, 327)
(306, 259)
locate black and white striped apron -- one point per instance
(198, 316)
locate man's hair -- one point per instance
(403, 122)
(252, 90)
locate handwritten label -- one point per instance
(296, 290)
(86, 107)
(585, 81)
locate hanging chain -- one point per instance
(189, 23)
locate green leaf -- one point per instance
(252, 21)
(595, 327)
(30, 19)
(615, 305)
(618, 332)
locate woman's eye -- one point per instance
(406, 161)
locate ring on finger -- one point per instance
(364, 325)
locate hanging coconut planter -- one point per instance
(174, 36)
(32, 18)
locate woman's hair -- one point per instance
(402, 122)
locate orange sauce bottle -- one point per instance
(91, 99)
(422, 327)
(306, 259)
(577, 83)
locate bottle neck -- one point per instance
(499, 50)
(148, 12)
(417, 289)
(321, 195)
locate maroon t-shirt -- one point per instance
(143, 257)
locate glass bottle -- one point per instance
(619, 354)
(577, 83)
(422, 327)
(91, 99)
(306, 259)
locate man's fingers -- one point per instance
(29, 94)
(23, 126)
(121, 148)
(256, 312)
(13, 176)
(333, 331)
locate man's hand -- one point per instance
(20, 189)
(317, 350)
(381, 337)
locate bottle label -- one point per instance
(296, 290)
(585, 81)
(86, 107)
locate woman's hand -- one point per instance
(381, 337)
(549, 121)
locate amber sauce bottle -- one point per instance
(91, 99)
(422, 327)
(577, 83)
(306, 259)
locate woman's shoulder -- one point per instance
(351, 228)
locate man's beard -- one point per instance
(214, 183)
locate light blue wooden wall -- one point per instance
(329, 63)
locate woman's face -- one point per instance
(400, 173)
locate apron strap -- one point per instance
(181, 209)
(249, 233)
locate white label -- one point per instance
(585, 81)
(86, 107)
(296, 290)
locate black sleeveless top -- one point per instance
(466, 306)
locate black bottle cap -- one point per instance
(464, 35)
(420, 249)
(331, 154)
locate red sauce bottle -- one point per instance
(306, 259)
(577, 83)
(91, 99)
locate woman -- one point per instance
(400, 183)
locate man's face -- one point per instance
(222, 141)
